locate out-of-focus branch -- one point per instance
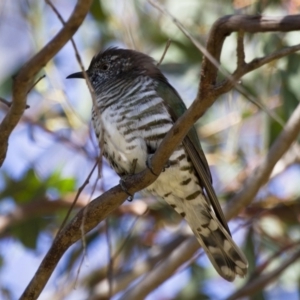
(37, 208)
(289, 158)
(123, 279)
(22, 82)
(45, 206)
(262, 173)
(263, 280)
(102, 206)
(163, 271)
(259, 269)
(79, 148)
(288, 211)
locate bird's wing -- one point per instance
(192, 145)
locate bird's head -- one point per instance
(115, 63)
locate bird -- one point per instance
(135, 107)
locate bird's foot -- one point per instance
(133, 166)
(167, 166)
(124, 188)
(149, 165)
(123, 179)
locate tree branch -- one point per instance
(22, 82)
(237, 23)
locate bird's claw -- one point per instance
(149, 165)
(167, 165)
(123, 187)
(122, 180)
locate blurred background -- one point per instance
(53, 149)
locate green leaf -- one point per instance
(30, 187)
(293, 64)
(249, 250)
(62, 185)
(289, 98)
(27, 232)
(97, 11)
(25, 189)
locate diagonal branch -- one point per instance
(23, 80)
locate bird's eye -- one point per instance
(104, 67)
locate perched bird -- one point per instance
(136, 107)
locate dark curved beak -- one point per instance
(76, 75)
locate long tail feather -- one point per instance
(224, 254)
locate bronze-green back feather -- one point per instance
(192, 145)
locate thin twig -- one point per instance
(90, 87)
(81, 188)
(169, 41)
(9, 104)
(201, 48)
(83, 240)
(80, 266)
(36, 82)
(57, 137)
(259, 269)
(257, 102)
(130, 232)
(38, 208)
(124, 278)
(5, 102)
(110, 259)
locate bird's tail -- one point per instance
(224, 254)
